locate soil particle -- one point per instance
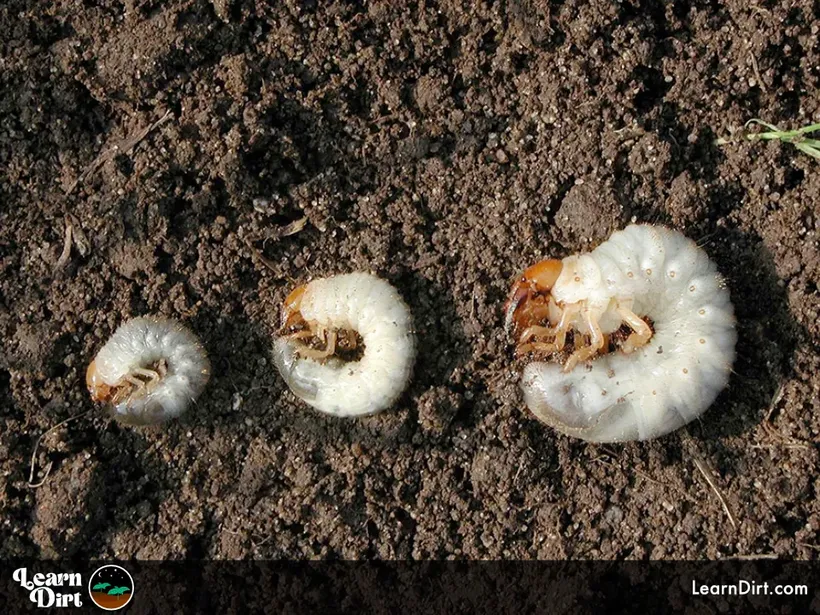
(589, 212)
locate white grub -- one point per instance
(329, 310)
(151, 370)
(653, 381)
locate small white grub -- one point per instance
(151, 370)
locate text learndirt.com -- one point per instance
(748, 588)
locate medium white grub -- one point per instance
(338, 308)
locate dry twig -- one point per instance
(123, 147)
(66, 253)
(274, 233)
(772, 432)
(701, 466)
(50, 464)
(756, 70)
(753, 556)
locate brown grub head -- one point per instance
(291, 316)
(100, 392)
(530, 296)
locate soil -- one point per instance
(444, 146)
(110, 602)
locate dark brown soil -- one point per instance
(445, 147)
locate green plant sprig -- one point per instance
(797, 137)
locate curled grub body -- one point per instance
(150, 370)
(349, 306)
(669, 364)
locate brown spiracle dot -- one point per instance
(701, 311)
(692, 288)
(685, 371)
(648, 272)
(629, 274)
(577, 279)
(671, 274)
(702, 341)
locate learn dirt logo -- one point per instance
(111, 587)
(48, 590)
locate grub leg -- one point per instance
(641, 332)
(542, 348)
(122, 392)
(134, 381)
(563, 325)
(535, 311)
(300, 335)
(329, 337)
(147, 373)
(559, 332)
(596, 342)
(536, 331)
